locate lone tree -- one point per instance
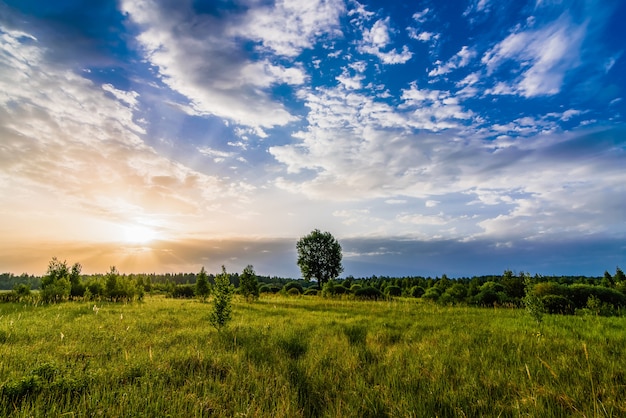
(319, 257)
(249, 284)
(202, 289)
(222, 296)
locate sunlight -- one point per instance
(139, 234)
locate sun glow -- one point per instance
(139, 234)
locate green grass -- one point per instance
(307, 357)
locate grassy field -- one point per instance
(307, 356)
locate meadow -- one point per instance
(304, 356)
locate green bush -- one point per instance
(293, 285)
(184, 291)
(341, 290)
(579, 294)
(556, 304)
(432, 293)
(368, 293)
(393, 291)
(355, 287)
(269, 288)
(417, 291)
(310, 292)
(294, 291)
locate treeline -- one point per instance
(603, 295)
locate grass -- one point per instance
(307, 357)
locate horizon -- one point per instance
(464, 138)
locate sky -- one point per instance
(459, 137)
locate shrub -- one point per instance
(393, 291)
(293, 285)
(269, 288)
(556, 304)
(310, 292)
(455, 293)
(341, 290)
(368, 293)
(432, 293)
(416, 291)
(355, 287)
(579, 294)
(184, 291)
(294, 291)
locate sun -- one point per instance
(139, 234)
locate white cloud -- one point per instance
(378, 38)
(459, 60)
(420, 17)
(419, 219)
(128, 97)
(288, 27)
(201, 57)
(544, 56)
(350, 82)
(423, 36)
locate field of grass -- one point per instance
(307, 356)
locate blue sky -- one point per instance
(461, 137)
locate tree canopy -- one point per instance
(319, 257)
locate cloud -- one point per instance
(67, 139)
(350, 82)
(288, 27)
(420, 17)
(356, 149)
(459, 60)
(204, 59)
(376, 39)
(543, 57)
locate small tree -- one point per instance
(249, 284)
(202, 289)
(55, 285)
(319, 257)
(532, 302)
(77, 288)
(111, 284)
(222, 297)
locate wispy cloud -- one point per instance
(543, 57)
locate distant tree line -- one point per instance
(603, 295)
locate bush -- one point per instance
(341, 290)
(556, 304)
(310, 292)
(184, 291)
(488, 297)
(393, 291)
(355, 287)
(269, 288)
(368, 293)
(432, 293)
(294, 291)
(455, 293)
(416, 291)
(579, 294)
(293, 285)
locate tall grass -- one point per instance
(307, 357)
